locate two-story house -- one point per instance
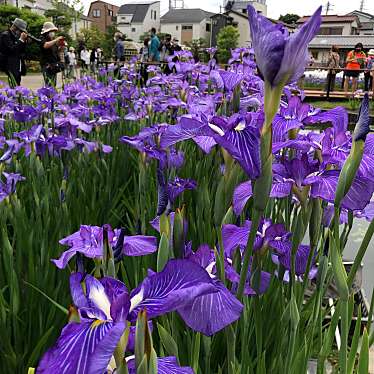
(102, 14)
(187, 24)
(341, 31)
(366, 20)
(136, 18)
(238, 19)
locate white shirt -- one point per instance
(85, 56)
(72, 58)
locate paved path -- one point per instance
(32, 81)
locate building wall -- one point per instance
(204, 34)
(105, 19)
(79, 25)
(38, 6)
(198, 30)
(174, 29)
(347, 28)
(135, 30)
(259, 5)
(245, 35)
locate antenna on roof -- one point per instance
(329, 6)
(362, 5)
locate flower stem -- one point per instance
(248, 252)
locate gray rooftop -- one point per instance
(139, 10)
(185, 16)
(349, 41)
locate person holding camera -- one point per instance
(355, 61)
(49, 57)
(12, 50)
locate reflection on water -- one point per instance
(357, 234)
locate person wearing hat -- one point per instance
(49, 53)
(369, 73)
(12, 50)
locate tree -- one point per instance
(289, 18)
(227, 39)
(197, 46)
(34, 24)
(92, 38)
(64, 13)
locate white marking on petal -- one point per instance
(99, 297)
(136, 300)
(240, 126)
(216, 129)
(209, 269)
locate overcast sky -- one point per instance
(275, 7)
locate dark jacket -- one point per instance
(48, 56)
(13, 51)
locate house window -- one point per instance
(244, 11)
(331, 31)
(155, 14)
(177, 27)
(187, 27)
(133, 29)
(110, 12)
(207, 28)
(96, 13)
(315, 55)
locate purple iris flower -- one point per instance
(148, 142)
(269, 235)
(243, 192)
(178, 186)
(89, 241)
(165, 365)
(240, 136)
(226, 79)
(9, 186)
(189, 128)
(105, 305)
(214, 318)
(25, 113)
(324, 185)
(281, 57)
(367, 213)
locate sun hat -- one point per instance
(71, 49)
(48, 27)
(20, 24)
(371, 52)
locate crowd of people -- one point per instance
(55, 55)
(356, 62)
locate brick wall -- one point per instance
(102, 14)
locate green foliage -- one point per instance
(289, 18)
(197, 48)
(34, 21)
(107, 45)
(227, 39)
(92, 37)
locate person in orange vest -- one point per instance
(355, 61)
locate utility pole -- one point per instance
(329, 7)
(362, 5)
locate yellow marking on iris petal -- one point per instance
(97, 323)
(240, 126)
